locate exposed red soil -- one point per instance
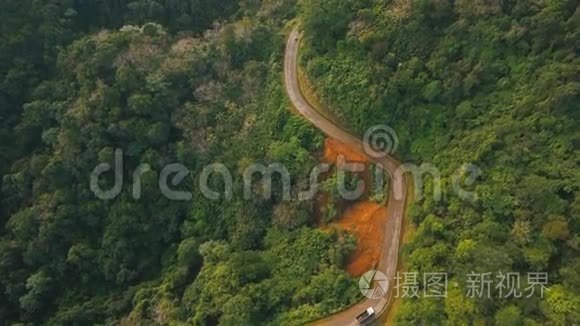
(363, 219)
(333, 148)
(366, 221)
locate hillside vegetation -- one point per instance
(159, 81)
(494, 83)
(491, 83)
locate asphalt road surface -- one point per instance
(395, 204)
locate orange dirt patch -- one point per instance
(366, 221)
(333, 148)
(363, 219)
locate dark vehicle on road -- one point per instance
(366, 317)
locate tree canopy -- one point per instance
(491, 83)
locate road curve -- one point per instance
(395, 204)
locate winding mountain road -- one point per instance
(395, 204)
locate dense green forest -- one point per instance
(194, 82)
(493, 83)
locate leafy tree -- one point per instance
(560, 306)
(331, 16)
(490, 83)
(510, 315)
(165, 92)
